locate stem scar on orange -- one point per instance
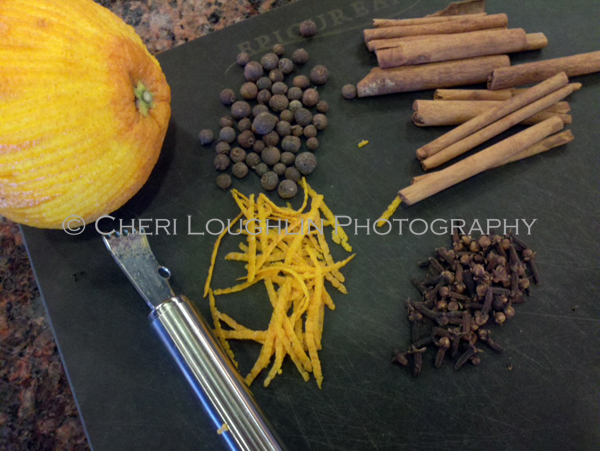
(84, 107)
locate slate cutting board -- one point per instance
(131, 395)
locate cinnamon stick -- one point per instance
(497, 127)
(429, 113)
(439, 48)
(551, 142)
(380, 23)
(480, 162)
(429, 76)
(524, 74)
(483, 120)
(471, 94)
(535, 41)
(460, 25)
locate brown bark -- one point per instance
(471, 94)
(497, 127)
(510, 106)
(525, 74)
(480, 162)
(462, 25)
(380, 23)
(429, 113)
(429, 76)
(440, 48)
(551, 142)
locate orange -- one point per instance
(84, 111)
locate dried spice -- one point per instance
(308, 29)
(468, 290)
(272, 118)
(206, 136)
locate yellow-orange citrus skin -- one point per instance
(74, 138)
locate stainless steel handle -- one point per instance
(213, 377)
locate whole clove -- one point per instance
(466, 291)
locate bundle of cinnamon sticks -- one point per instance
(459, 46)
(495, 118)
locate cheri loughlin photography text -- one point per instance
(107, 225)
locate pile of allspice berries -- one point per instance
(272, 127)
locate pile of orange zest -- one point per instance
(293, 261)
(391, 209)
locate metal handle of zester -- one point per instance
(216, 382)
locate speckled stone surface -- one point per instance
(37, 410)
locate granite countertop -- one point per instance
(37, 410)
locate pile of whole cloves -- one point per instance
(467, 289)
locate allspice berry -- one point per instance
(276, 75)
(271, 139)
(223, 181)
(271, 156)
(306, 163)
(283, 128)
(286, 65)
(264, 83)
(322, 106)
(269, 61)
(287, 115)
(221, 162)
(227, 134)
(226, 121)
(240, 109)
(227, 96)
(242, 59)
(300, 56)
(223, 147)
(264, 123)
(319, 75)
(279, 169)
(291, 144)
(244, 124)
(206, 136)
(312, 143)
(320, 121)
(237, 154)
(349, 91)
(294, 106)
(263, 96)
(294, 93)
(287, 158)
(246, 139)
(249, 90)
(297, 130)
(240, 170)
(252, 160)
(269, 181)
(279, 103)
(310, 98)
(310, 131)
(301, 81)
(287, 189)
(293, 174)
(258, 146)
(308, 29)
(253, 71)
(279, 87)
(303, 117)
(261, 169)
(278, 49)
